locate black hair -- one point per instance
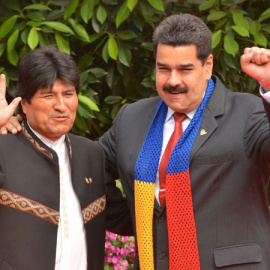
(182, 30)
(40, 68)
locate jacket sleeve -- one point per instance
(117, 212)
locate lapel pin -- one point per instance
(88, 181)
(203, 132)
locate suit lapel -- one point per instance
(215, 108)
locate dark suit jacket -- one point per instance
(230, 171)
(29, 201)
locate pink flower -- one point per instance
(125, 263)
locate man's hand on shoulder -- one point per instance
(13, 125)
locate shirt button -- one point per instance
(162, 255)
(161, 219)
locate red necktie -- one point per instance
(178, 131)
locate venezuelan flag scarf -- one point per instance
(145, 184)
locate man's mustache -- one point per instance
(180, 89)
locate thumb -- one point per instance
(245, 60)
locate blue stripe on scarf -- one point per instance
(147, 163)
(179, 160)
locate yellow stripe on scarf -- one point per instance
(144, 209)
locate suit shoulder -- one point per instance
(139, 108)
(144, 103)
(245, 98)
(9, 139)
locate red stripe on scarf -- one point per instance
(183, 249)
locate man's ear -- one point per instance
(23, 102)
(208, 65)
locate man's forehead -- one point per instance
(53, 88)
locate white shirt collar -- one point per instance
(170, 112)
(49, 143)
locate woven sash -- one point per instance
(144, 185)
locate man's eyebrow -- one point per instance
(70, 90)
(178, 66)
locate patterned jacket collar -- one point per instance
(40, 146)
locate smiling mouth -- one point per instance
(177, 92)
(60, 118)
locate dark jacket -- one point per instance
(229, 169)
(29, 200)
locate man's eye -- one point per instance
(69, 94)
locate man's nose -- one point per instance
(174, 79)
(60, 104)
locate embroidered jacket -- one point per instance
(29, 200)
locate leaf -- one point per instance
(112, 99)
(43, 39)
(239, 19)
(105, 53)
(2, 48)
(157, 4)
(93, 37)
(147, 46)
(216, 37)
(98, 72)
(35, 16)
(206, 5)
(37, 7)
(12, 54)
(79, 122)
(55, 15)
(255, 27)
(84, 111)
(122, 14)
(71, 8)
(13, 57)
(241, 31)
(33, 39)
(87, 10)
(260, 39)
(229, 60)
(7, 26)
(101, 14)
(214, 16)
(265, 15)
(126, 34)
(115, 110)
(12, 4)
(124, 54)
(88, 102)
(79, 29)
(34, 24)
(112, 48)
(59, 27)
(62, 43)
(230, 45)
(147, 82)
(131, 4)
(12, 40)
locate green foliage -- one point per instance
(111, 42)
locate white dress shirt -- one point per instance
(71, 248)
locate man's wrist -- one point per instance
(265, 83)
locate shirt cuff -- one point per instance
(265, 95)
